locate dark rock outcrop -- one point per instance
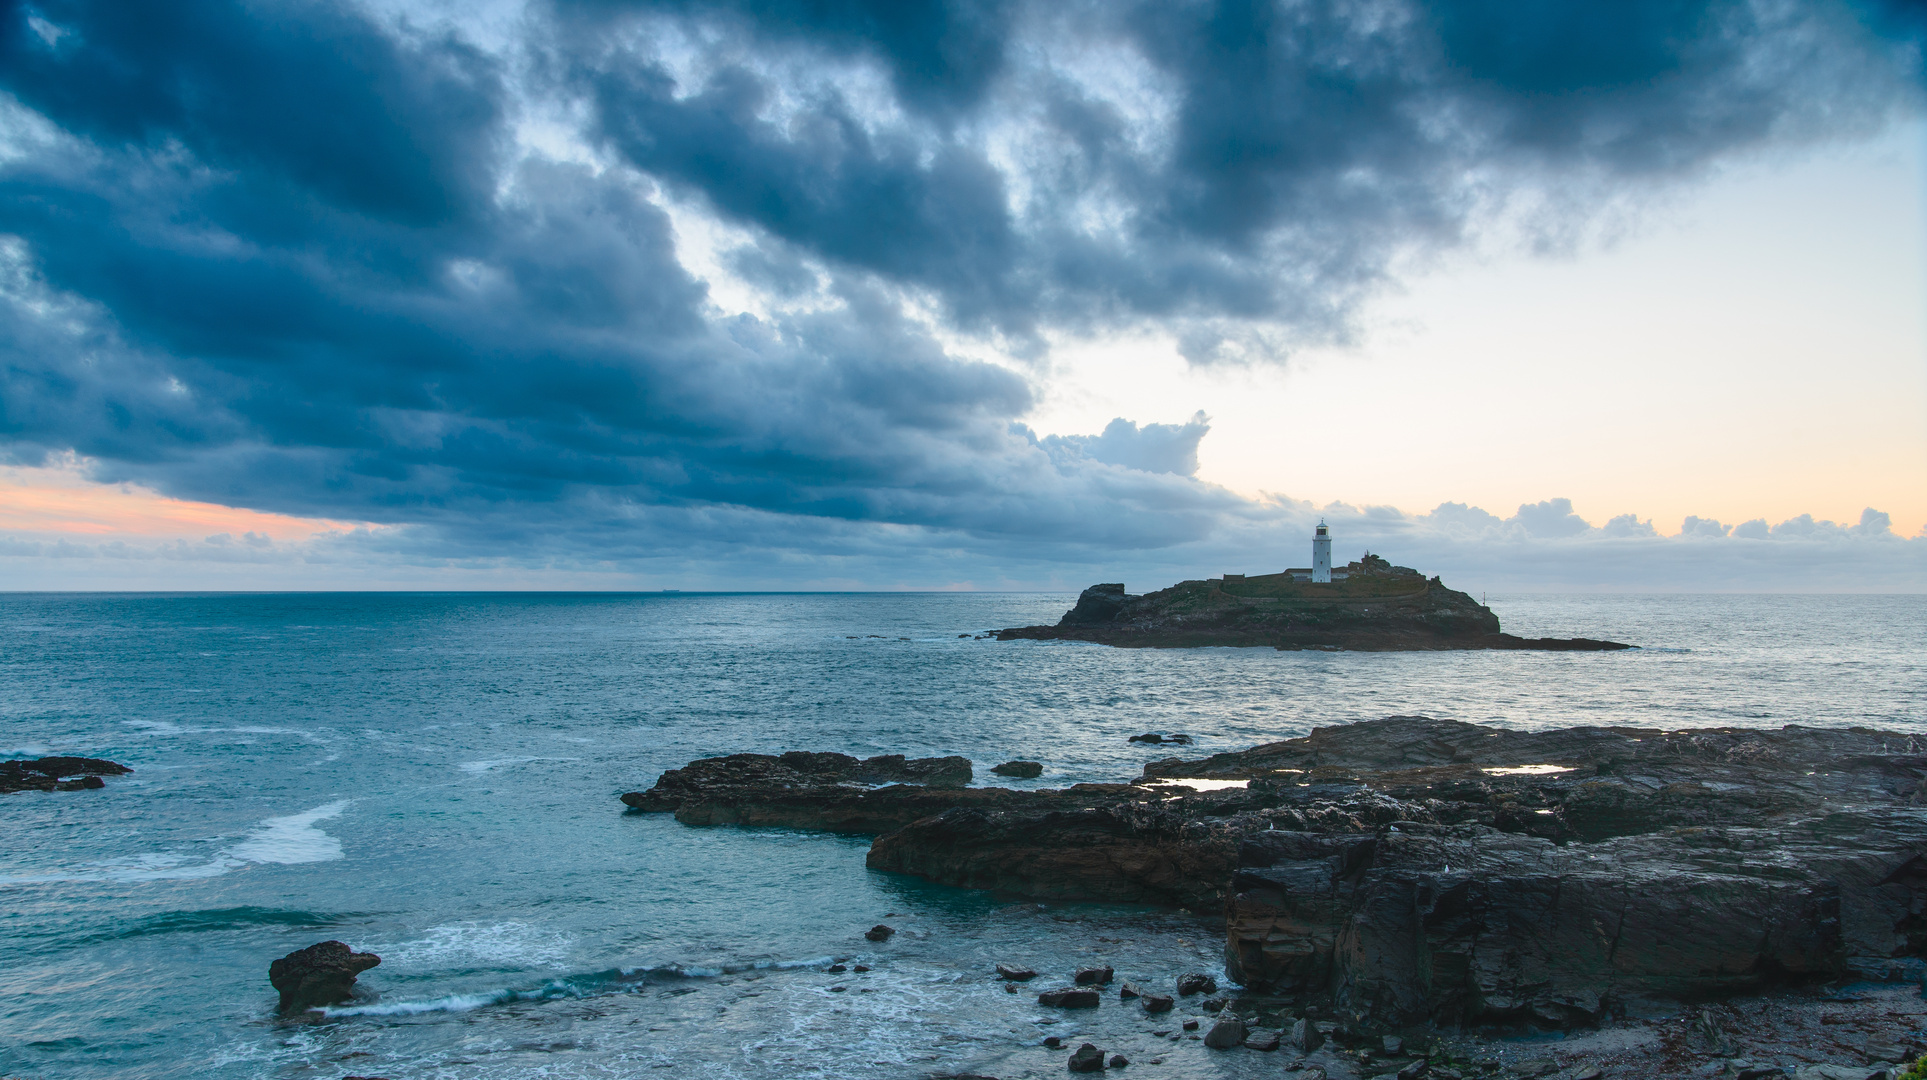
(1022, 770)
(1070, 999)
(321, 974)
(1377, 607)
(57, 774)
(1411, 870)
(801, 789)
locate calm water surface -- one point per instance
(433, 777)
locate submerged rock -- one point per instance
(1094, 976)
(1069, 999)
(321, 974)
(879, 932)
(1015, 973)
(57, 774)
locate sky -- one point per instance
(972, 295)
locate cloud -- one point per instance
(1158, 448)
(1553, 517)
(472, 286)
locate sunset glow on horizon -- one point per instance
(60, 500)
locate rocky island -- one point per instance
(1370, 605)
(1412, 871)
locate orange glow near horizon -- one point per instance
(60, 500)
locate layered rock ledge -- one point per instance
(1377, 608)
(1412, 870)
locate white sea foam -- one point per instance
(1199, 784)
(285, 840)
(292, 839)
(451, 1003)
(1526, 770)
(477, 768)
(515, 944)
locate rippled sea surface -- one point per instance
(434, 778)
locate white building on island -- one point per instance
(1320, 571)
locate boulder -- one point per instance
(1196, 983)
(1093, 976)
(879, 932)
(1304, 1036)
(1118, 1061)
(1157, 1003)
(1129, 990)
(1226, 1033)
(1262, 1040)
(1015, 973)
(1023, 770)
(321, 974)
(1069, 999)
(1087, 1059)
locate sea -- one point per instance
(435, 778)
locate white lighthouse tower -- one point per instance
(1321, 555)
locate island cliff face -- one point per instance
(1378, 607)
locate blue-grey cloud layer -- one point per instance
(300, 257)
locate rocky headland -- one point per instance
(57, 774)
(1412, 871)
(1378, 607)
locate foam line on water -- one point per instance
(292, 839)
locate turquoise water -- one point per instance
(433, 777)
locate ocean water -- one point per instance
(434, 778)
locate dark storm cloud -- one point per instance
(300, 257)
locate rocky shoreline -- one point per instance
(1419, 875)
(1378, 608)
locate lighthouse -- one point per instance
(1321, 555)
